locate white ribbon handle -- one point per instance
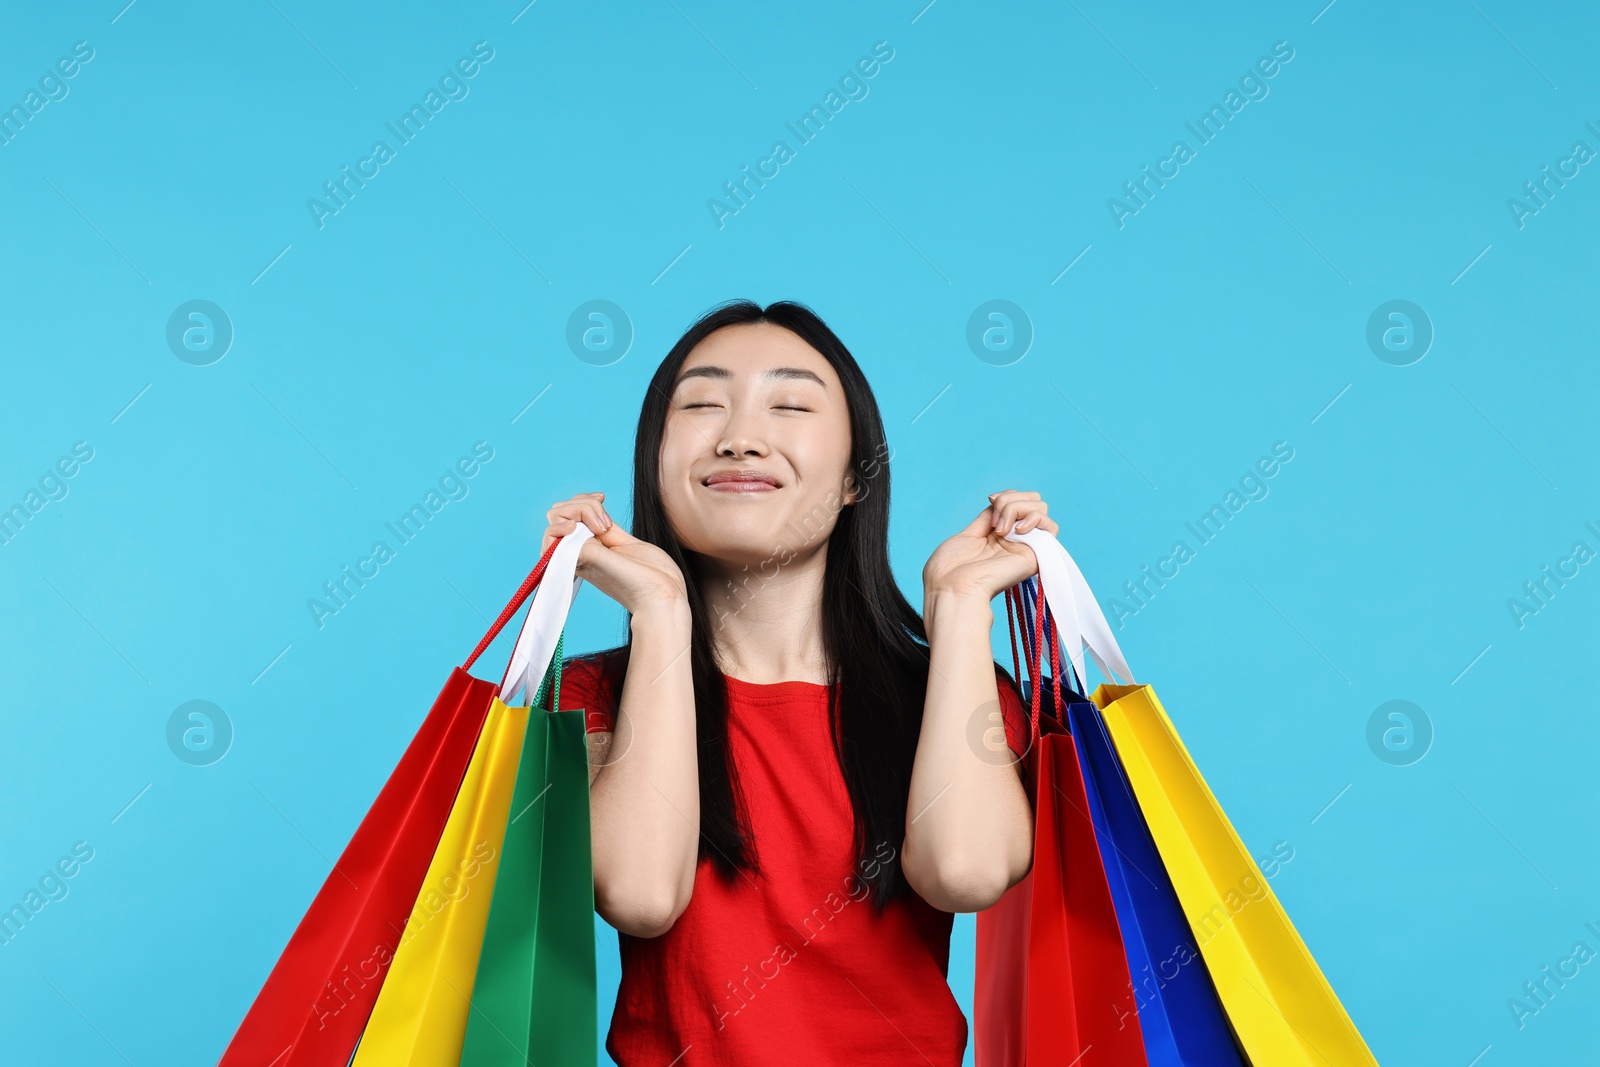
(547, 615)
(1077, 613)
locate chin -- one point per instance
(741, 538)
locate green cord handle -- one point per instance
(551, 680)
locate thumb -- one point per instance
(613, 536)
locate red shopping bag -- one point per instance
(1051, 983)
(316, 1001)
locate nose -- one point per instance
(738, 439)
(734, 447)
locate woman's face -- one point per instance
(754, 400)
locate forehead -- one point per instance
(758, 350)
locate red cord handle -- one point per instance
(1036, 661)
(529, 584)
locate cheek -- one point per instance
(675, 464)
(833, 453)
(820, 446)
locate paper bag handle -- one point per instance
(553, 583)
(547, 616)
(1080, 621)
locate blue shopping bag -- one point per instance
(1182, 1020)
(1179, 1013)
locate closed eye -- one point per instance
(780, 407)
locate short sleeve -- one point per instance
(585, 687)
(1016, 715)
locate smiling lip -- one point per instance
(741, 482)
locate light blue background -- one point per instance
(427, 314)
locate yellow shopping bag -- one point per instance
(420, 1017)
(1282, 1008)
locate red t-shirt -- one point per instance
(791, 965)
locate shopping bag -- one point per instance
(316, 1001)
(1280, 1006)
(421, 1012)
(421, 1016)
(534, 999)
(1181, 1019)
(1051, 980)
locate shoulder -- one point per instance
(590, 683)
(1014, 712)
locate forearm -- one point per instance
(969, 833)
(645, 801)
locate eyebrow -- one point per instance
(785, 374)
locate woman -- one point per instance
(796, 780)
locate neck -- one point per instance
(766, 620)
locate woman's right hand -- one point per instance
(634, 573)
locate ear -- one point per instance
(851, 494)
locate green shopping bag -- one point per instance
(534, 997)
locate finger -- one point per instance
(1028, 509)
(563, 519)
(570, 504)
(578, 498)
(595, 509)
(559, 528)
(1006, 504)
(1030, 514)
(607, 530)
(580, 508)
(1021, 516)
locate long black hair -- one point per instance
(874, 640)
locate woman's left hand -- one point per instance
(979, 559)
